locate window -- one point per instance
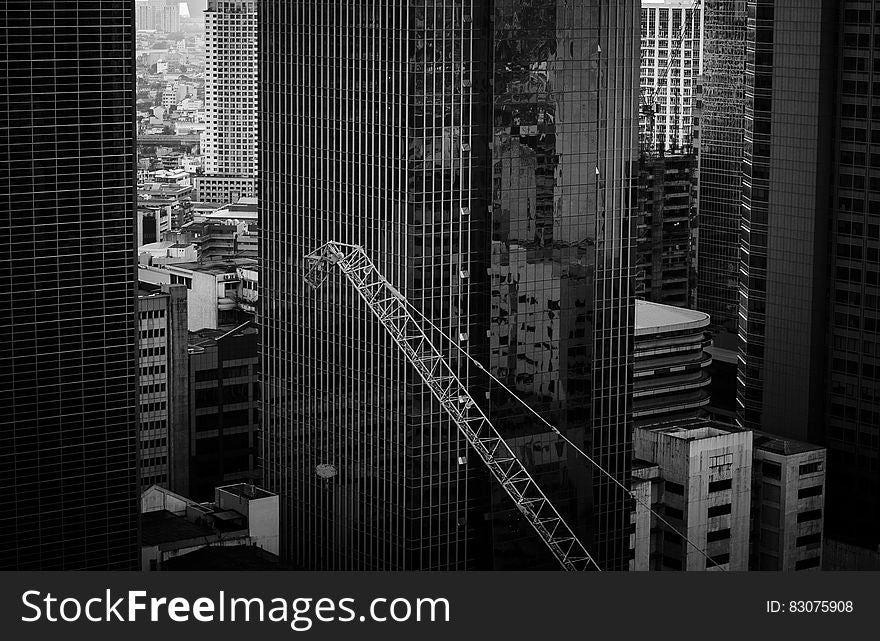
(718, 559)
(810, 468)
(718, 535)
(720, 486)
(809, 539)
(674, 512)
(807, 492)
(674, 488)
(771, 470)
(812, 562)
(809, 515)
(719, 510)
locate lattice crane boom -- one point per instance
(392, 310)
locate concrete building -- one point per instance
(212, 289)
(229, 143)
(665, 249)
(698, 476)
(665, 23)
(163, 386)
(224, 408)
(166, 252)
(158, 15)
(173, 197)
(240, 515)
(218, 241)
(671, 375)
(788, 504)
(223, 189)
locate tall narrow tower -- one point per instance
(68, 432)
(229, 143)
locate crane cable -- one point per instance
(556, 431)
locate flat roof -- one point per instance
(162, 526)
(655, 318)
(247, 491)
(782, 444)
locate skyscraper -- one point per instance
(720, 165)
(486, 158)
(852, 408)
(68, 432)
(789, 89)
(229, 143)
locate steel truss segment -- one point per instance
(390, 307)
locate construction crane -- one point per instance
(649, 97)
(394, 312)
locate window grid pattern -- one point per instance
(68, 432)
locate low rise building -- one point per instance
(213, 289)
(174, 526)
(225, 189)
(698, 477)
(788, 510)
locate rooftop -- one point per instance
(246, 491)
(654, 318)
(216, 267)
(782, 445)
(161, 526)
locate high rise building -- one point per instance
(159, 15)
(670, 64)
(666, 243)
(720, 165)
(69, 430)
(495, 188)
(789, 85)
(229, 142)
(852, 408)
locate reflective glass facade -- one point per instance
(789, 83)
(484, 154)
(564, 175)
(853, 390)
(68, 432)
(721, 130)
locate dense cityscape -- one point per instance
(441, 285)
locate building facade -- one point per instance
(496, 192)
(666, 243)
(163, 386)
(671, 377)
(671, 46)
(788, 129)
(69, 430)
(698, 477)
(229, 141)
(852, 408)
(788, 504)
(224, 409)
(720, 165)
